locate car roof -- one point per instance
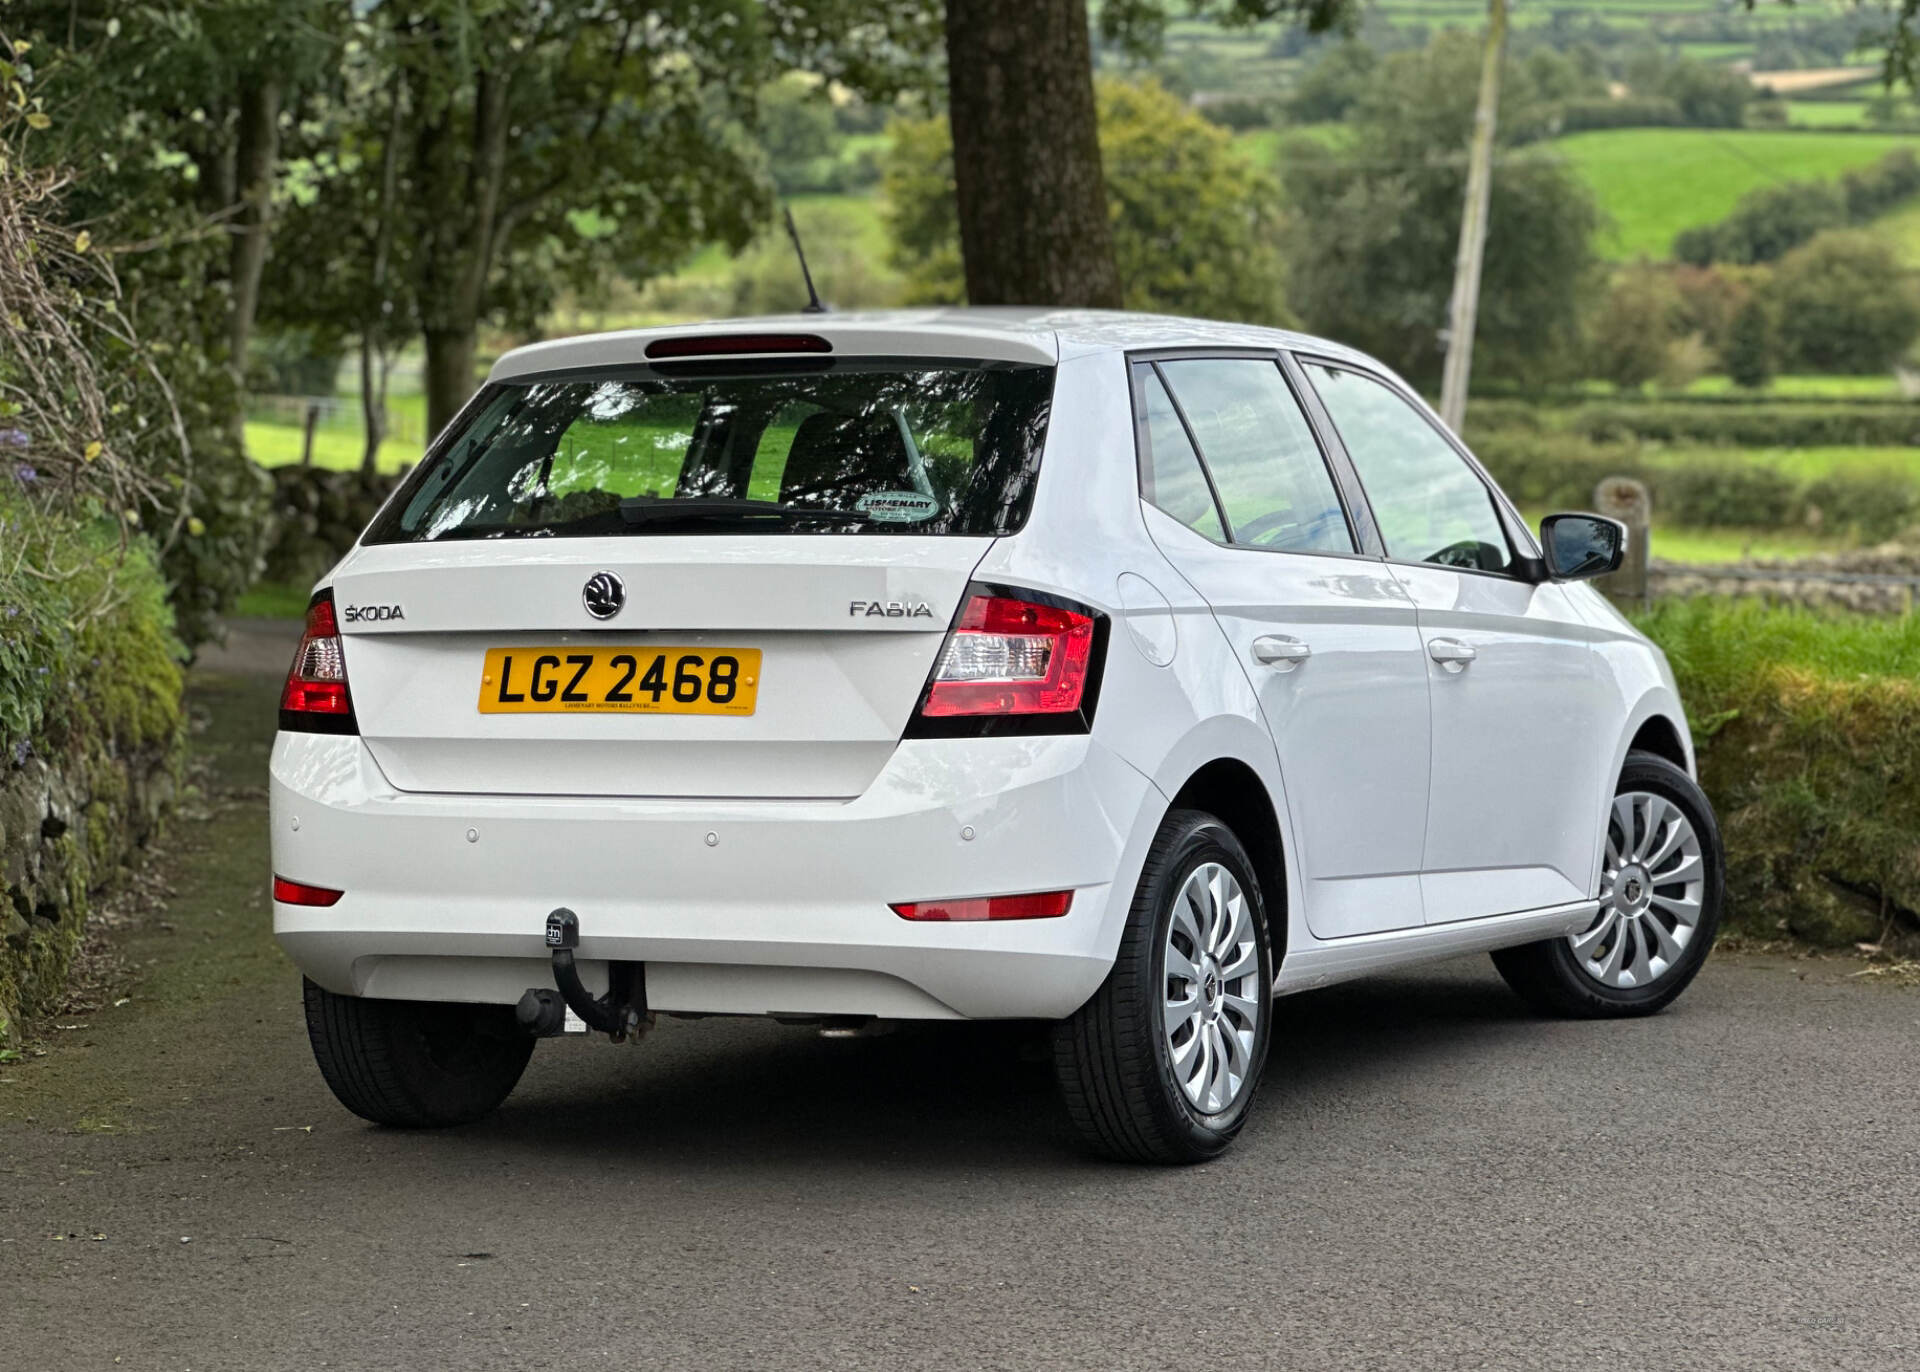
(1042, 336)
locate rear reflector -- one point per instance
(316, 698)
(299, 893)
(733, 344)
(1008, 656)
(1047, 905)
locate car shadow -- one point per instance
(719, 1094)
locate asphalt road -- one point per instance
(1432, 1179)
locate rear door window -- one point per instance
(1170, 474)
(1272, 478)
(843, 447)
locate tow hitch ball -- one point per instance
(620, 1014)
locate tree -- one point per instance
(1373, 235)
(1334, 84)
(211, 82)
(1749, 353)
(1195, 226)
(1635, 327)
(1843, 304)
(1765, 224)
(1026, 154)
(545, 146)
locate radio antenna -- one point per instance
(813, 297)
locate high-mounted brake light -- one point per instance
(316, 699)
(733, 344)
(299, 893)
(1011, 656)
(1044, 905)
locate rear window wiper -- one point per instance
(647, 509)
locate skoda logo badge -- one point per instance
(603, 595)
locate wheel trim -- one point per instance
(1651, 892)
(1212, 1001)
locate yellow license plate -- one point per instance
(624, 679)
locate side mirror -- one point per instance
(1580, 546)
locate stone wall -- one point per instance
(1883, 580)
(70, 829)
(321, 513)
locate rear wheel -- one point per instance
(1162, 1064)
(1661, 890)
(415, 1064)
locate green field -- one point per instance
(1802, 464)
(1902, 228)
(1656, 182)
(1827, 114)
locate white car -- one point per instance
(1112, 670)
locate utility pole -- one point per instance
(1465, 308)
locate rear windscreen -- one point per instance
(919, 447)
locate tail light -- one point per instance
(1014, 656)
(316, 699)
(299, 893)
(1046, 905)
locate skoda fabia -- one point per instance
(1109, 670)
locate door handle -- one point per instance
(1277, 650)
(1451, 653)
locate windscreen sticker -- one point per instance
(898, 507)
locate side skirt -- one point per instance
(1323, 963)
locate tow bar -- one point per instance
(620, 1014)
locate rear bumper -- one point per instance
(761, 907)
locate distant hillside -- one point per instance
(1655, 182)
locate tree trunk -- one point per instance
(1464, 314)
(373, 361)
(257, 153)
(455, 262)
(1026, 155)
(448, 374)
(373, 404)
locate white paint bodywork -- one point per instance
(1422, 813)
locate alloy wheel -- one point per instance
(1213, 1001)
(1650, 894)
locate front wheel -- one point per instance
(1661, 889)
(1162, 1064)
(415, 1064)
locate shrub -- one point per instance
(1876, 505)
(1636, 112)
(1634, 326)
(1768, 222)
(1808, 733)
(1746, 495)
(1554, 471)
(1751, 349)
(1844, 304)
(1239, 113)
(1749, 425)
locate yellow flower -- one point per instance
(93, 450)
(82, 241)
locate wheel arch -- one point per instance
(1232, 791)
(1662, 737)
(1657, 724)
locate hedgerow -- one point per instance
(1808, 733)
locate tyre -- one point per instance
(1161, 1065)
(1661, 891)
(415, 1064)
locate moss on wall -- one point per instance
(90, 737)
